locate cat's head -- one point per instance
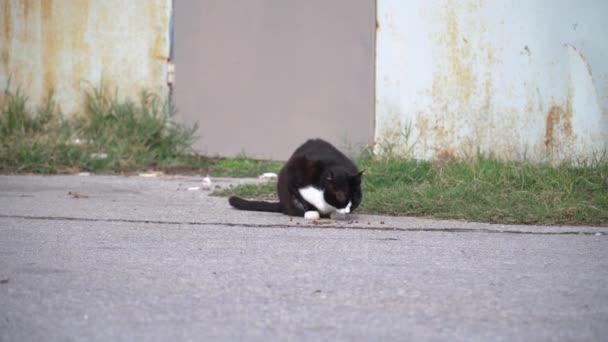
(341, 187)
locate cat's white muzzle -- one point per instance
(344, 210)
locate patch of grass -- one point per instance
(130, 135)
(488, 190)
(108, 136)
(33, 142)
(483, 189)
(218, 167)
(186, 164)
(267, 191)
(244, 167)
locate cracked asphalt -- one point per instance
(135, 258)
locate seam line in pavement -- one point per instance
(285, 226)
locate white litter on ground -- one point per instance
(268, 176)
(150, 174)
(99, 156)
(207, 184)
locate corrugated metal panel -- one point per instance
(521, 79)
(65, 45)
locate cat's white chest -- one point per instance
(315, 197)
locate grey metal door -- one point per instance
(262, 76)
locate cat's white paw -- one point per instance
(312, 215)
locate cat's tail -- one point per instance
(242, 204)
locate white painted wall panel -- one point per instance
(519, 79)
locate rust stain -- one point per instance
(558, 125)
(49, 43)
(447, 154)
(558, 121)
(46, 10)
(568, 113)
(26, 7)
(553, 118)
(459, 55)
(157, 51)
(158, 48)
(7, 19)
(589, 70)
(28, 30)
(5, 35)
(5, 58)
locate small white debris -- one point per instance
(207, 184)
(78, 141)
(149, 174)
(598, 234)
(98, 156)
(84, 173)
(268, 176)
(194, 188)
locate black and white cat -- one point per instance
(316, 181)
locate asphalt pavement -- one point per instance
(134, 258)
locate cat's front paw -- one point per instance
(312, 215)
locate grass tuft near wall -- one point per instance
(109, 135)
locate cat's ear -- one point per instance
(356, 178)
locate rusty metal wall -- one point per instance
(519, 79)
(262, 76)
(68, 45)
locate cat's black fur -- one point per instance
(317, 163)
